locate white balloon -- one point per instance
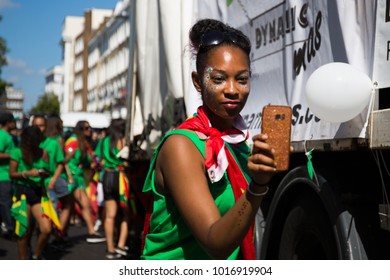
(338, 92)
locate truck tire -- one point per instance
(307, 233)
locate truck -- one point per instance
(333, 201)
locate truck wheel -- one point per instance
(307, 233)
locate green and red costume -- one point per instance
(77, 164)
(226, 154)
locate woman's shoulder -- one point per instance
(181, 145)
(72, 137)
(105, 140)
(183, 131)
(4, 135)
(187, 138)
(195, 137)
(71, 142)
(16, 154)
(16, 151)
(49, 143)
(177, 155)
(57, 137)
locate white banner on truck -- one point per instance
(382, 45)
(291, 39)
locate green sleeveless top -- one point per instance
(169, 237)
(108, 156)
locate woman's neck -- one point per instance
(217, 122)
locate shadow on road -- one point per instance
(76, 248)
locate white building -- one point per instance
(94, 20)
(76, 34)
(54, 82)
(72, 26)
(108, 63)
(12, 101)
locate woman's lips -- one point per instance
(231, 105)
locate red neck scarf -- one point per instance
(220, 159)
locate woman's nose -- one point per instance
(231, 88)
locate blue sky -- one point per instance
(32, 30)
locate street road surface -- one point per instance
(78, 249)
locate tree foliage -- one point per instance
(3, 60)
(3, 51)
(47, 104)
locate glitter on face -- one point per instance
(207, 83)
(206, 75)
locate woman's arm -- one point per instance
(68, 156)
(4, 155)
(54, 178)
(180, 171)
(14, 174)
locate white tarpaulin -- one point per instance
(382, 45)
(163, 63)
(291, 39)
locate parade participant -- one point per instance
(56, 155)
(98, 178)
(7, 123)
(28, 168)
(54, 143)
(206, 183)
(78, 155)
(116, 190)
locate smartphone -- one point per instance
(276, 123)
(43, 173)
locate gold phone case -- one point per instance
(276, 123)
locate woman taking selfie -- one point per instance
(206, 183)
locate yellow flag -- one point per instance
(49, 211)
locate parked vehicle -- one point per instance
(96, 120)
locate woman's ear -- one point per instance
(196, 81)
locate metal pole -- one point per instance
(130, 75)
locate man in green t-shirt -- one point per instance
(7, 123)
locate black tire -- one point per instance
(307, 233)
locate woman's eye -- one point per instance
(218, 80)
(243, 80)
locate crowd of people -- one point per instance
(47, 182)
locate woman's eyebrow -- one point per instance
(224, 72)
